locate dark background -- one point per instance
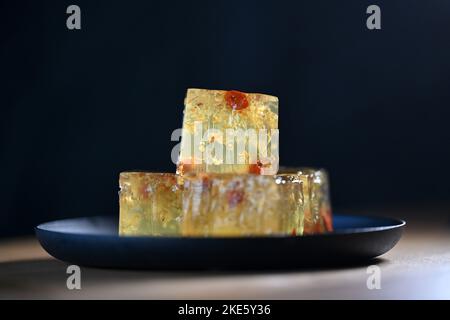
(78, 107)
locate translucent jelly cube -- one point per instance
(294, 202)
(315, 199)
(150, 204)
(241, 205)
(229, 132)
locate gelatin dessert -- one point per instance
(227, 181)
(241, 205)
(229, 132)
(315, 198)
(150, 204)
(211, 204)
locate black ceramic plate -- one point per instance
(94, 242)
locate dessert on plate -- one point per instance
(227, 181)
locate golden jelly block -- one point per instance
(229, 132)
(150, 204)
(315, 198)
(295, 202)
(241, 205)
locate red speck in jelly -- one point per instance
(143, 191)
(327, 218)
(235, 197)
(236, 100)
(294, 232)
(183, 168)
(255, 168)
(206, 183)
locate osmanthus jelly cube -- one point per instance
(315, 198)
(241, 205)
(162, 204)
(229, 132)
(212, 204)
(150, 204)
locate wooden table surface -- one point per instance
(417, 268)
